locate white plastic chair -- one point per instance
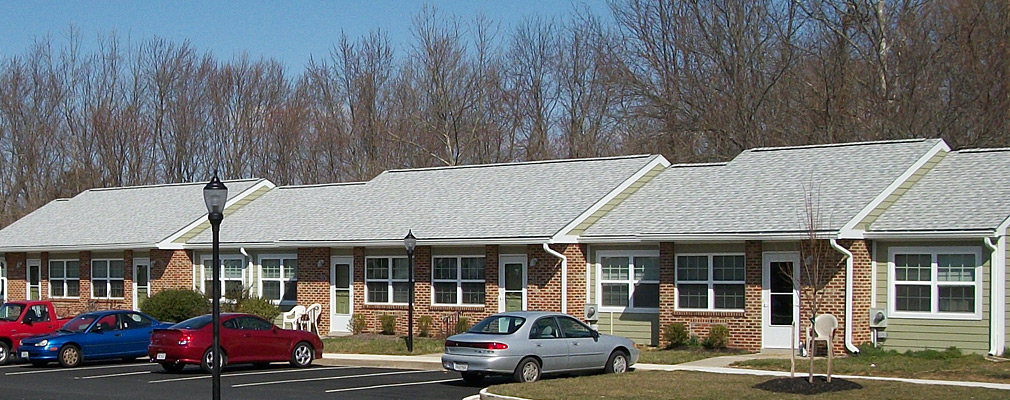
(310, 320)
(292, 317)
(823, 329)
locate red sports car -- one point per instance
(244, 339)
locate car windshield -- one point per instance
(11, 311)
(498, 325)
(193, 323)
(79, 324)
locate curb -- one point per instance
(485, 395)
(381, 362)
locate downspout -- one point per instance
(248, 265)
(997, 340)
(848, 295)
(564, 276)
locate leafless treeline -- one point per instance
(695, 80)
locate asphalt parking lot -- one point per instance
(279, 381)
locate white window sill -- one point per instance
(937, 316)
(630, 310)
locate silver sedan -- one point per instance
(527, 344)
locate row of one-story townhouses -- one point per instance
(912, 232)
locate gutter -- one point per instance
(997, 316)
(848, 295)
(564, 276)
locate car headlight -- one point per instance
(43, 343)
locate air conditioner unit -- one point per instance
(878, 318)
(592, 312)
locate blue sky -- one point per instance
(289, 31)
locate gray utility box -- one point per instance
(592, 313)
(878, 318)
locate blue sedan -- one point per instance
(93, 336)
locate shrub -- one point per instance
(424, 325)
(718, 337)
(260, 307)
(694, 341)
(174, 305)
(462, 325)
(675, 335)
(388, 324)
(357, 324)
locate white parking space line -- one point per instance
(351, 389)
(285, 371)
(328, 378)
(51, 370)
(112, 375)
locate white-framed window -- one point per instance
(935, 282)
(64, 278)
(457, 280)
(233, 275)
(387, 280)
(710, 282)
(628, 281)
(107, 279)
(279, 278)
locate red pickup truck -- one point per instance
(21, 319)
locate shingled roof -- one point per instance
(137, 216)
(762, 191)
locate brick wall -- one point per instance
(16, 276)
(314, 282)
(171, 269)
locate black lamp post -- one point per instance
(215, 194)
(409, 242)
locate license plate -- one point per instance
(24, 355)
(459, 366)
(160, 356)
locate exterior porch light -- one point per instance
(215, 195)
(409, 242)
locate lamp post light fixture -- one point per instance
(409, 242)
(215, 194)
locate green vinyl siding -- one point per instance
(631, 189)
(641, 328)
(894, 196)
(904, 334)
(227, 211)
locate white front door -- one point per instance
(341, 293)
(512, 283)
(780, 305)
(3, 282)
(141, 281)
(34, 280)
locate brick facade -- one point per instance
(314, 282)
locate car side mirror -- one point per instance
(97, 329)
(595, 334)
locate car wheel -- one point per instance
(39, 363)
(528, 370)
(206, 362)
(301, 356)
(617, 363)
(70, 356)
(472, 377)
(173, 367)
(5, 353)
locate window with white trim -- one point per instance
(938, 282)
(107, 279)
(387, 280)
(279, 278)
(628, 281)
(64, 278)
(457, 281)
(233, 275)
(709, 282)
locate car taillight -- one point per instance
(184, 340)
(497, 346)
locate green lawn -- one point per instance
(381, 344)
(648, 385)
(928, 364)
(678, 356)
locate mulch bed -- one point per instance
(800, 385)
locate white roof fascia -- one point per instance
(715, 237)
(849, 230)
(562, 235)
(377, 243)
(167, 243)
(66, 248)
(1001, 229)
(921, 235)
